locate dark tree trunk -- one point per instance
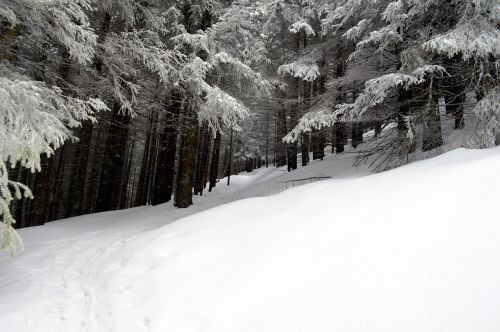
(59, 198)
(281, 156)
(340, 136)
(114, 162)
(123, 190)
(77, 182)
(333, 134)
(356, 134)
(305, 142)
(199, 153)
(432, 137)
(322, 144)
(142, 188)
(268, 116)
(318, 144)
(214, 167)
(340, 129)
(164, 187)
(187, 159)
(98, 148)
(166, 167)
(225, 161)
(205, 161)
(147, 177)
(230, 158)
(292, 148)
(432, 129)
(320, 90)
(202, 160)
(42, 192)
(306, 137)
(292, 156)
(453, 88)
(153, 162)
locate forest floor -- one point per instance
(412, 249)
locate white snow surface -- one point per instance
(412, 249)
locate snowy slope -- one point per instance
(412, 249)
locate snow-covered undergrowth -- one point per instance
(412, 249)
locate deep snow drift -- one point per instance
(412, 249)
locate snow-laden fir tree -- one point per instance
(420, 45)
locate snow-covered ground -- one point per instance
(413, 249)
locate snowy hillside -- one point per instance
(412, 249)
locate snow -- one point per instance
(412, 249)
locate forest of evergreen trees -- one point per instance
(112, 104)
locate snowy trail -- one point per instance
(57, 283)
(50, 286)
(55, 276)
